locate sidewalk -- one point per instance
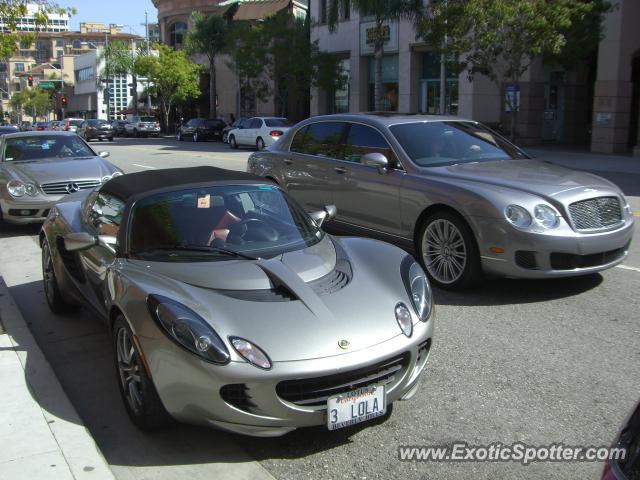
(41, 435)
(585, 160)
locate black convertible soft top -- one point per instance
(136, 184)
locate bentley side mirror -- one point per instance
(376, 160)
(329, 212)
(103, 154)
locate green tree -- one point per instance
(11, 11)
(500, 39)
(174, 77)
(36, 102)
(382, 12)
(276, 58)
(120, 59)
(208, 36)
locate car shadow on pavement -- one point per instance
(507, 291)
(8, 230)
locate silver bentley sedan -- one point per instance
(230, 307)
(37, 169)
(464, 198)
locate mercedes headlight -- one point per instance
(251, 353)
(106, 178)
(418, 288)
(19, 189)
(546, 216)
(188, 329)
(518, 216)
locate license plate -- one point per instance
(357, 406)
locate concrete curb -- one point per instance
(63, 434)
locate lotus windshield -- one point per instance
(431, 144)
(219, 222)
(40, 147)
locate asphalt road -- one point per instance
(539, 362)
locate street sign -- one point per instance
(48, 84)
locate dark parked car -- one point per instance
(95, 129)
(40, 126)
(4, 129)
(239, 123)
(627, 468)
(118, 128)
(202, 129)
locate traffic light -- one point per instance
(64, 101)
(30, 80)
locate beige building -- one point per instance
(595, 104)
(174, 22)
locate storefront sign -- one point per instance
(512, 98)
(603, 119)
(368, 33)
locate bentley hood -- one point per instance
(298, 305)
(533, 176)
(60, 170)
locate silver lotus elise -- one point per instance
(230, 307)
(37, 169)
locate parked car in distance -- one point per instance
(26, 126)
(201, 129)
(119, 128)
(39, 168)
(95, 129)
(4, 129)
(142, 127)
(240, 122)
(627, 468)
(53, 125)
(40, 126)
(258, 132)
(467, 200)
(218, 274)
(71, 124)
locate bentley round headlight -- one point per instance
(116, 174)
(420, 291)
(251, 353)
(106, 178)
(403, 317)
(546, 216)
(16, 188)
(518, 216)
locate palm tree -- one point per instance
(208, 36)
(382, 11)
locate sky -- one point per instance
(125, 12)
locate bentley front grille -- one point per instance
(596, 213)
(71, 186)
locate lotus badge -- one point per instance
(343, 343)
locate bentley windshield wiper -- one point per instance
(206, 248)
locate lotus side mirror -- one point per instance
(376, 160)
(75, 242)
(327, 213)
(103, 154)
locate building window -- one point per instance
(85, 74)
(430, 86)
(345, 9)
(59, 54)
(77, 44)
(19, 67)
(389, 83)
(322, 17)
(177, 32)
(339, 99)
(59, 42)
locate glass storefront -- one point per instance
(430, 87)
(389, 83)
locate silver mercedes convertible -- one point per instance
(230, 307)
(37, 169)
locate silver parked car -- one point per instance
(142, 127)
(463, 197)
(230, 307)
(39, 168)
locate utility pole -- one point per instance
(146, 27)
(443, 73)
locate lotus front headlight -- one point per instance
(188, 329)
(251, 353)
(418, 287)
(518, 216)
(546, 216)
(403, 317)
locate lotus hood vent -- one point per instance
(277, 294)
(335, 280)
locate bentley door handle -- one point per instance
(340, 170)
(288, 161)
